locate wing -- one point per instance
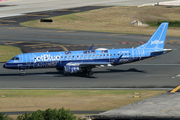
(89, 64)
(94, 64)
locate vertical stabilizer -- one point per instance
(157, 40)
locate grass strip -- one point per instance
(75, 100)
(7, 52)
(115, 20)
(171, 23)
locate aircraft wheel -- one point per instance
(90, 73)
(22, 74)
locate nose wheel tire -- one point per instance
(22, 72)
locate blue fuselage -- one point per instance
(60, 59)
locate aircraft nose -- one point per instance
(4, 66)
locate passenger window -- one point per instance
(114, 54)
(110, 54)
(35, 58)
(97, 55)
(129, 53)
(81, 55)
(104, 55)
(118, 54)
(125, 53)
(77, 56)
(61, 56)
(65, 56)
(107, 54)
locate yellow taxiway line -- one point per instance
(175, 89)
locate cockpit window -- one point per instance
(15, 58)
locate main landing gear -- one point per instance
(22, 72)
(89, 72)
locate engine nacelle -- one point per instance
(71, 69)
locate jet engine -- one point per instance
(71, 69)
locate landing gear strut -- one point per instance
(22, 72)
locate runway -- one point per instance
(158, 72)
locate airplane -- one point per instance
(83, 61)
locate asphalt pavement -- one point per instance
(158, 72)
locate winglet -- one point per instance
(91, 47)
(117, 60)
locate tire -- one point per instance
(90, 73)
(22, 74)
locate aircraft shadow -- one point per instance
(14, 74)
(129, 70)
(60, 73)
(109, 71)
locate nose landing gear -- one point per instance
(22, 72)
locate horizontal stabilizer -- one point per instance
(164, 50)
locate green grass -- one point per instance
(171, 23)
(7, 52)
(115, 20)
(87, 100)
(77, 93)
(68, 17)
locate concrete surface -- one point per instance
(166, 104)
(15, 8)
